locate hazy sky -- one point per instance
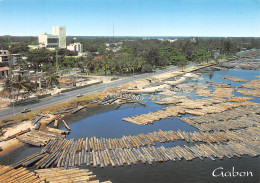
(132, 17)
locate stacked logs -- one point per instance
(61, 175)
(10, 175)
(17, 134)
(148, 139)
(188, 108)
(69, 154)
(131, 149)
(41, 137)
(238, 118)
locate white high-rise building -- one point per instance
(56, 39)
(60, 31)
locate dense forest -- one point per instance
(133, 54)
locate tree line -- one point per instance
(137, 54)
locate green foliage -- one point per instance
(148, 52)
(147, 68)
(52, 79)
(200, 56)
(18, 83)
(152, 56)
(39, 57)
(47, 67)
(69, 62)
(182, 62)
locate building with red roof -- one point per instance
(4, 71)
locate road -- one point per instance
(11, 111)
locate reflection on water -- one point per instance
(211, 75)
(107, 123)
(195, 171)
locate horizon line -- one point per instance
(144, 36)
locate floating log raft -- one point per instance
(250, 92)
(65, 124)
(251, 88)
(71, 156)
(67, 175)
(42, 137)
(254, 84)
(204, 93)
(237, 118)
(121, 98)
(17, 134)
(9, 174)
(234, 79)
(223, 92)
(199, 107)
(54, 118)
(240, 99)
(130, 142)
(140, 148)
(145, 119)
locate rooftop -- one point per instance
(4, 68)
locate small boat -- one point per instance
(79, 95)
(26, 110)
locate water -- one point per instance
(106, 122)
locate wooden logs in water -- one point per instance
(245, 116)
(61, 175)
(65, 124)
(17, 134)
(9, 174)
(56, 122)
(54, 118)
(69, 153)
(200, 108)
(41, 137)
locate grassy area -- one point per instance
(82, 74)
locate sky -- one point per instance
(213, 18)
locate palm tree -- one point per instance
(52, 79)
(106, 59)
(17, 84)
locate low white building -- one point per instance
(38, 46)
(48, 40)
(3, 52)
(75, 47)
(82, 54)
(4, 57)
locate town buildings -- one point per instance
(75, 47)
(6, 58)
(4, 71)
(54, 40)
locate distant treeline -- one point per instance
(133, 54)
(94, 44)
